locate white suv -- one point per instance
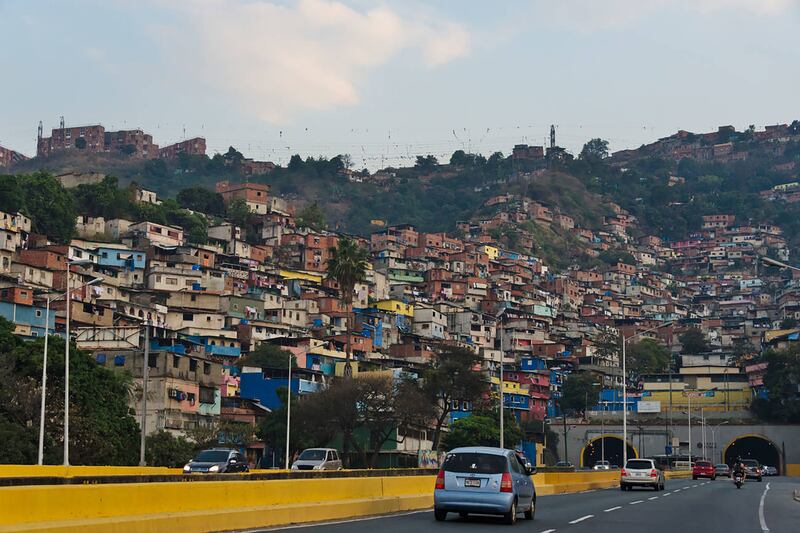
(641, 472)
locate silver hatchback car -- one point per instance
(641, 473)
(318, 459)
(482, 480)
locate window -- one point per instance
(176, 361)
(172, 281)
(206, 395)
(206, 368)
(152, 360)
(119, 360)
(101, 358)
(38, 313)
(192, 365)
(188, 317)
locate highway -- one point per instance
(684, 507)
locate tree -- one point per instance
(426, 163)
(612, 257)
(578, 391)
(789, 323)
(102, 428)
(451, 376)
(296, 163)
(164, 449)
(202, 200)
(268, 356)
(595, 150)
(40, 196)
(648, 356)
(482, 428)
(782, 381)
(312, 216)
(693, 342)
(608, 346)
(347, 266)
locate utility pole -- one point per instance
(145, 377)
(564, 418)
(289, 409)
(66, 362)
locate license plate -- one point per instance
(472, 482)
(638, 474)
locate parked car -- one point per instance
(770, 471)
(484, 480)
(641, 472)
(318, 459)
(704, 469)
(752, 469)
(217, 461)
(564, 464)
(722, 470)
(601, 465)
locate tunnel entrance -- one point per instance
(607, 446)
(754, 447)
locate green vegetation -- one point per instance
(41, 197)
(268, 356)
(781, 380)
(693, 342)
(648, 356)
(579, 391)
(482, 428)
(102, 428)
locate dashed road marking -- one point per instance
(637, 501)
(548, 531)
(676, 490)
(666, 494)
(653, 498)
(581, 519)
(612, 509)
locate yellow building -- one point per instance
(397, 307)
(492, 251)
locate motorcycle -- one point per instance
(738, 479)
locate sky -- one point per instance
(386, 81)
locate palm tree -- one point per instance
(347, 266)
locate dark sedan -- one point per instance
(217, 461)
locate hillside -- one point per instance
(666, 192)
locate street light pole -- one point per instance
(49, 300)
(288, 411)
(145, 377)
(689, 412)
(40, 460)
(714, 437)
(66, 372)
(502, 400)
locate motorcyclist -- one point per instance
(739, 468)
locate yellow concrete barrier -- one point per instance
(792, 469)
(235, 504)
(81, 471)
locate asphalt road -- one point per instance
(684, 507)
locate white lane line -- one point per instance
(694, 486)
(653, 498)
(666, 494)
(612, 509)
(687, 487)
(637, 501)
(581, 519)
(676, 490)
(761, 518)
(548, 531)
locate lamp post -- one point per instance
(145, 376)
(625, 388)
(289, 411)
(714, 437)
(49, 300)
(66, 359)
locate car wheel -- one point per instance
(694, 478)
(713, 478)
(439, 515)
(511, 516)
(529, 514)
(622, 488)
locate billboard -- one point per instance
(648, 407)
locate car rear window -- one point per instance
(480, 463)
(639, 465)
(750, 462)
(703, 463)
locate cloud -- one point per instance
(593, 15)
(277, 60)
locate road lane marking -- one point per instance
(694, 486)
(581, 519)
(653, 498)
(687, 487)
(761, 518)
(548, 531)
(666, 494)
(676, 490)
(612, 509)
(637, 501)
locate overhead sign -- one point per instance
(648, 407)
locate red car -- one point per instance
(704, 469)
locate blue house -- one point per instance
(263, 385)
(120, 257)
(28, 319)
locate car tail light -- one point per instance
(440, 480)
(653, 473)
(623, 473)
(505, 483)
